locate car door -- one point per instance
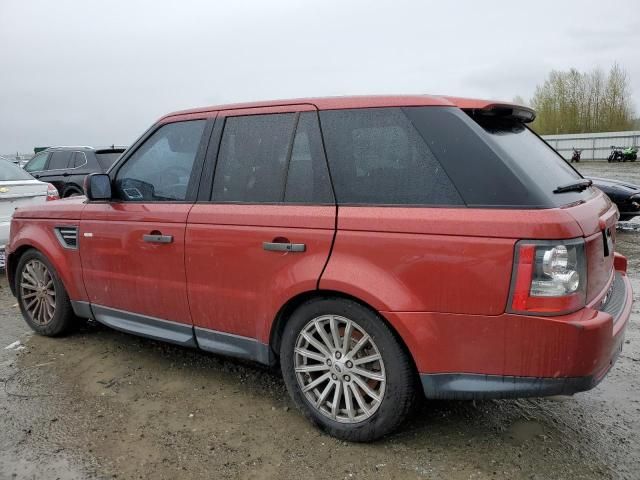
(264, 233)
(132, 247)
(37, 164)
(56, 171)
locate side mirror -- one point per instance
(97, 186)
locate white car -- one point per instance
(17, 189)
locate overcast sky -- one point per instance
(100, 72)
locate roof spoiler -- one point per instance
(505, 110)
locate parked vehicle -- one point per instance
(377, 248)
(624, 194)
(576, 156)
(18, 189)
(623, 154)
(630, 154)
(66, 167)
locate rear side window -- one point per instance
(272, 159)
(59, 160)
(376, 156)
(79, 159)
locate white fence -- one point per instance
(594, 146)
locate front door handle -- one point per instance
(284, 247)
(157, 238)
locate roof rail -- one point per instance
(71, 146)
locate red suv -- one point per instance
(375, 247)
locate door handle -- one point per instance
(157, 238)
(283, 247)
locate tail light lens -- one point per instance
(52, 193)
(549, 277)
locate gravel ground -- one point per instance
(101, 404)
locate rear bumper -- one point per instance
(509, 356)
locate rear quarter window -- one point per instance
(376, 156)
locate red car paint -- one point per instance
(440, 277)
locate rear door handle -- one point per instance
(284, 247)
(153, 238)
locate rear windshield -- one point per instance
(106, 159)
(10, 172)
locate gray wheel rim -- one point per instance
(339, 369)
(37, 292)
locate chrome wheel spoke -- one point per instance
(309, 354)
(316, 344)
(37, 292)
(366, 389)
(378, 377)
(339, 369)
(316, 382)
(318, 367)
(337, 394)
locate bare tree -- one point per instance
(576, 102)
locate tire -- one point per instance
(71, 193)
(394, 374)
(33, 271)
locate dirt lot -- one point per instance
(101, 404)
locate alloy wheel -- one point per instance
(339, 369)
(37, 292)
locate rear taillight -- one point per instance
(52, 193)
(549, 277)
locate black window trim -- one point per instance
(205, 191)
(196, 172)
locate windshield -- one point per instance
(10, 172)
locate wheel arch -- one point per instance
(284, 314)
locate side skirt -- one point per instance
(221, 343)
(231, 345)
(150, 327)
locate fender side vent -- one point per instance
(67, 236)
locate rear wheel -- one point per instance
(43, 301)
(346, 370)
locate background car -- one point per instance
(66, 167)
(17, 189)
(624, 194)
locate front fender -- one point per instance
(40, 234)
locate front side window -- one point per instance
(37, 163)
(377, 157)
(161, 168)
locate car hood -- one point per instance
(608, 182)
(66, 209)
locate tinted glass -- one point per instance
(106, 159)
(308, 176)
(59, 160)
(79, 159)
(37, 163)
(493, 161)
(376, 156)
(10, 172)
(161, 168)
(252, 160)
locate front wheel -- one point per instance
(42, 298)
(346, 370)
